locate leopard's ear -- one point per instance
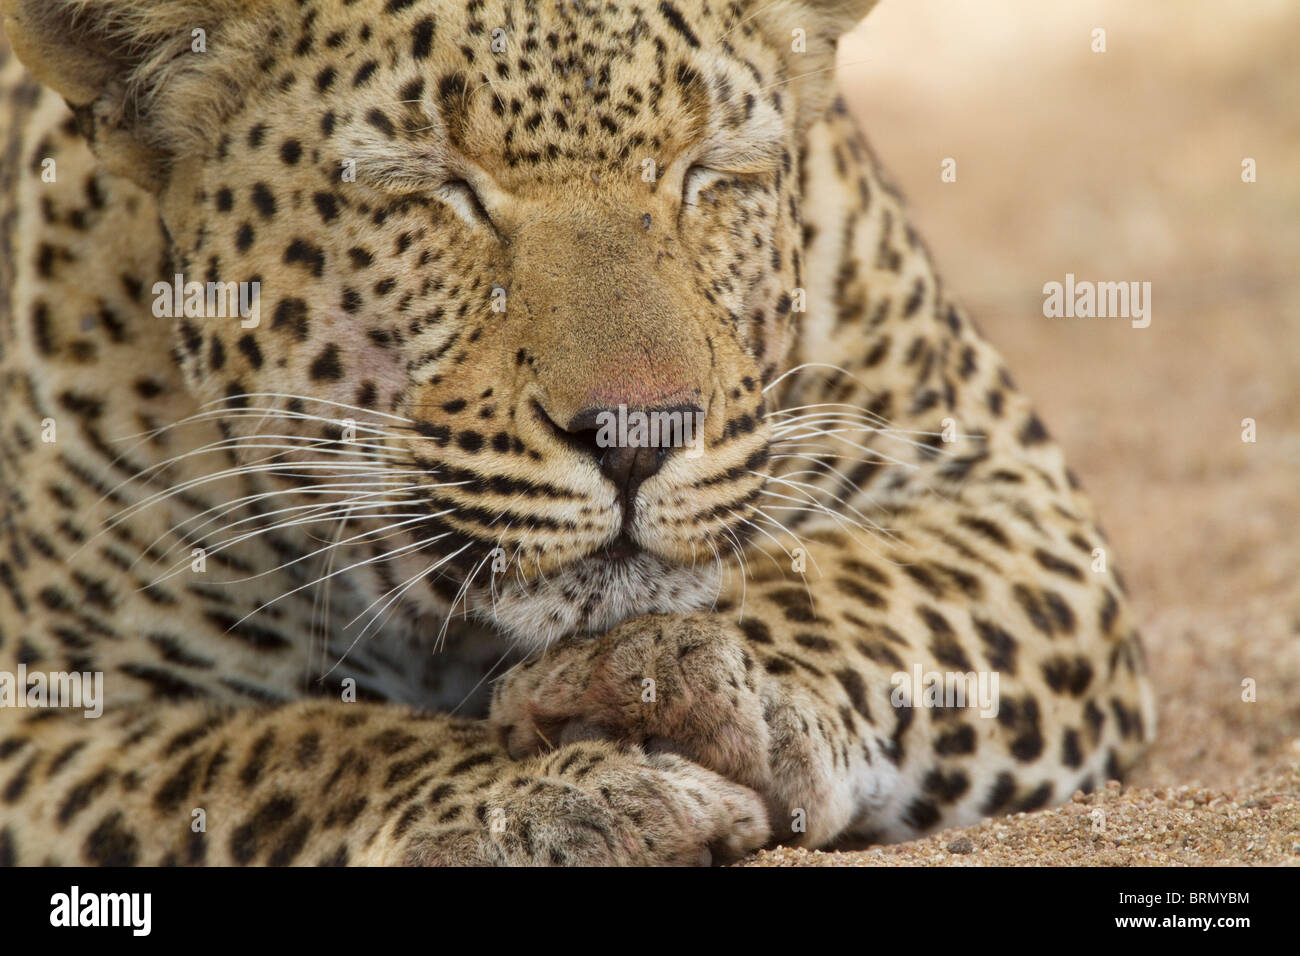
(819, 23)
(838, 17)
(144, 77)
(808, 32)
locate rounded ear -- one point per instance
(808, 31)
(838, 17)
(818, 23)
(141, 76)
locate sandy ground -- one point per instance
(1126, 165)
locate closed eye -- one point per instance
(461, 198)
(696, 180)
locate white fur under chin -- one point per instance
(594, 595)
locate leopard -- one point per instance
(313, 314)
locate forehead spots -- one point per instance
(527, 87)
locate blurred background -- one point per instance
(1127, 165)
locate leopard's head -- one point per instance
(532, 264)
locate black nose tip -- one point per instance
(628, 468)
(625, 456)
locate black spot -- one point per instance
(1060, 611)
(412, 91)
(302, 251)
(291, 313)
(379, 121)
(862, 593)
(956, 740)
(111, 843)
(944, 643)
(1071, 751)
(987, 529)
(249, 347)
(422, 38)
(756, 631)
(999, 645)
(999, 795)
(856, 690)
(1036, 799)
(678, 23)
(1021, 717)
(922, 814)
(291, 844)
(476, 760)
(1033, 432)
(946, 787)
(814, 642)
(264, 200)
(326, 205)
(176, 787)
(326, 367)
(1033, 608)
(268, 817)
(1050, 562)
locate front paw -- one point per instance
(594, 805)
(680, 684)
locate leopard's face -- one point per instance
(478, 231)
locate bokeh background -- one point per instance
(1126, 165)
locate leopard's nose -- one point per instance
(629, 445)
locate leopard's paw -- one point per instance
(593, 805)
(684, 685)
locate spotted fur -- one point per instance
(476, 225)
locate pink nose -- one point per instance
(637, 381)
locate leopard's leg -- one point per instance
(313, 783)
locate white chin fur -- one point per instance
(594, 595)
